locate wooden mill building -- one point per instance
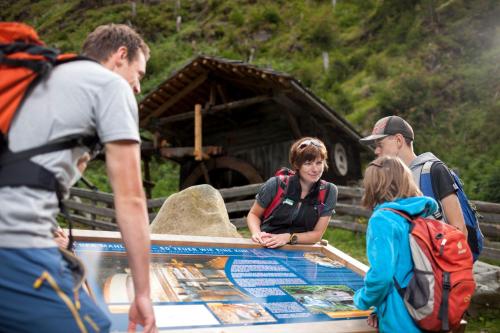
(247, 119)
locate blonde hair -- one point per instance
(386, 179)
(307, 149)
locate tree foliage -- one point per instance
(434, 62)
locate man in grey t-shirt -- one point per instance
(76, 99)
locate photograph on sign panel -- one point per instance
(173, 279)
(335, 301)
(240, 313)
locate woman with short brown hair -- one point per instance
(302, 213)
(389, 185)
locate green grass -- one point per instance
(488, 321)
(353, 244)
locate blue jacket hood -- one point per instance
(413, 206)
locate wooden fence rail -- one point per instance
(96, 209)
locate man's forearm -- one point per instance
(453, 212)
(132, 218)
(124, 170)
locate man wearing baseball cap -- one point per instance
(393, 136)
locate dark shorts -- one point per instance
(37, 294)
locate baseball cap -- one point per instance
(389, 126)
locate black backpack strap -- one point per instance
(27, 173)
(16, 169)
(40, 66)
(401, 291)
(33, 49)
(74, 58)
(64, 211)
(439, 214)
(443, 309)
(9, 157)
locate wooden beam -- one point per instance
(212, 94)
(290, 109)
(216, 108)
(294, 126)
(89, 208)
(206, 176)
(92, 195)
(241, 103)
(197, 133)
(491, 231)
(179, 152)
(222, 93)
(238, 191)
(103, 225)
(490, 218)
(487, 207)
(193, 85)
(249, 84)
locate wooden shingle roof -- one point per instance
(194, 84)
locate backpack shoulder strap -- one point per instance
(281, 189)
(400, 213)
(425, 179)
(9, 157)
(69, 57)
(324, 190)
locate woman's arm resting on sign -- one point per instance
(254, 222)
(309, 237)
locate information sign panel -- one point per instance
(206, 283)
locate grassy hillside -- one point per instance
(434, 62)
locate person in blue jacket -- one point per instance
(389, 183)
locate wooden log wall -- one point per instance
(96, 209)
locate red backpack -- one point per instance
(283, 175)
(442, 285)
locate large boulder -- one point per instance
(198, 210)
(487, 293)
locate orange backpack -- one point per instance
(24, 61)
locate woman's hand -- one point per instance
(273, 241)
(372, 320)
(259, 236)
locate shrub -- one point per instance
(341, 102)
(338, 72)
(271, 15)
(377, 66)
(322, 35)
(236, 17)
